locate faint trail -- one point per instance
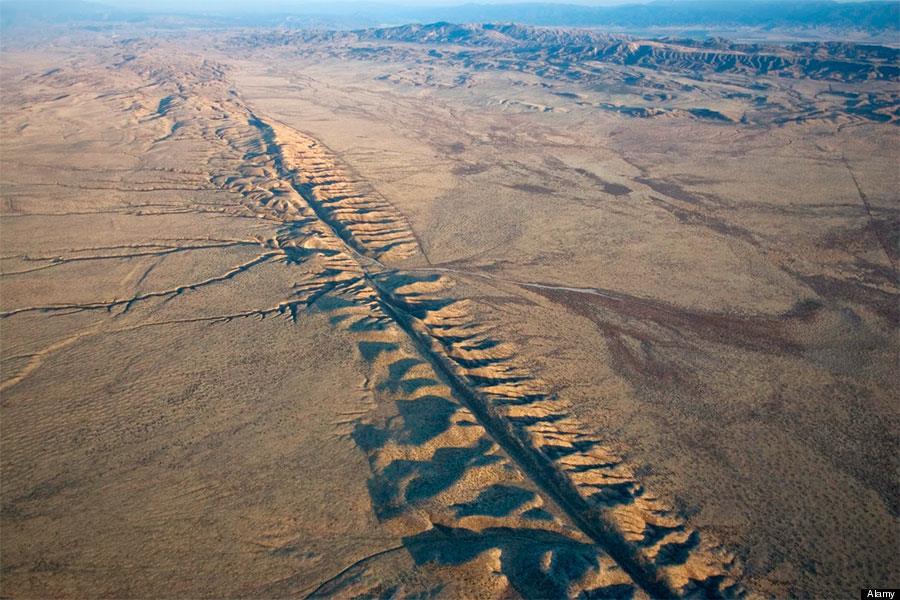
(876, 230)
(37, 358)
(147, 272)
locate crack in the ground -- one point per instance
(127, 303)
(494, 417)
(163, 250)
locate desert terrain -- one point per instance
(447, 311)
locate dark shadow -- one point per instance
(369, 437)
(496, 501)
(425, 479)
(538, 514)
(371, 350)
(617, 493)
(369, 324)
(401, 367)
(408, 386)
(538, 563)
(677, 553)
(425, 418)
(619, 591)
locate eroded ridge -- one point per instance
(440, 478)
(288, 173)
(471, 456)
(362, 219)
(598, 490)
(608, 499)
(443, 484)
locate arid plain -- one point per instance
(447, 311)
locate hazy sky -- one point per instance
(345, 6)
(244, 5)
(254, 5)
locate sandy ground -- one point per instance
(721, 302)
(280, 322)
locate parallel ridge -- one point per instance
(438, 477)
(597, 483)
(365, 220)
(337, 238)
(598, 489)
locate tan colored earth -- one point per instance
(404, 317)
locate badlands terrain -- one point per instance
(447, 311)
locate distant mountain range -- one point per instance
(521, 47)
(875, 16)
(762, 13)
